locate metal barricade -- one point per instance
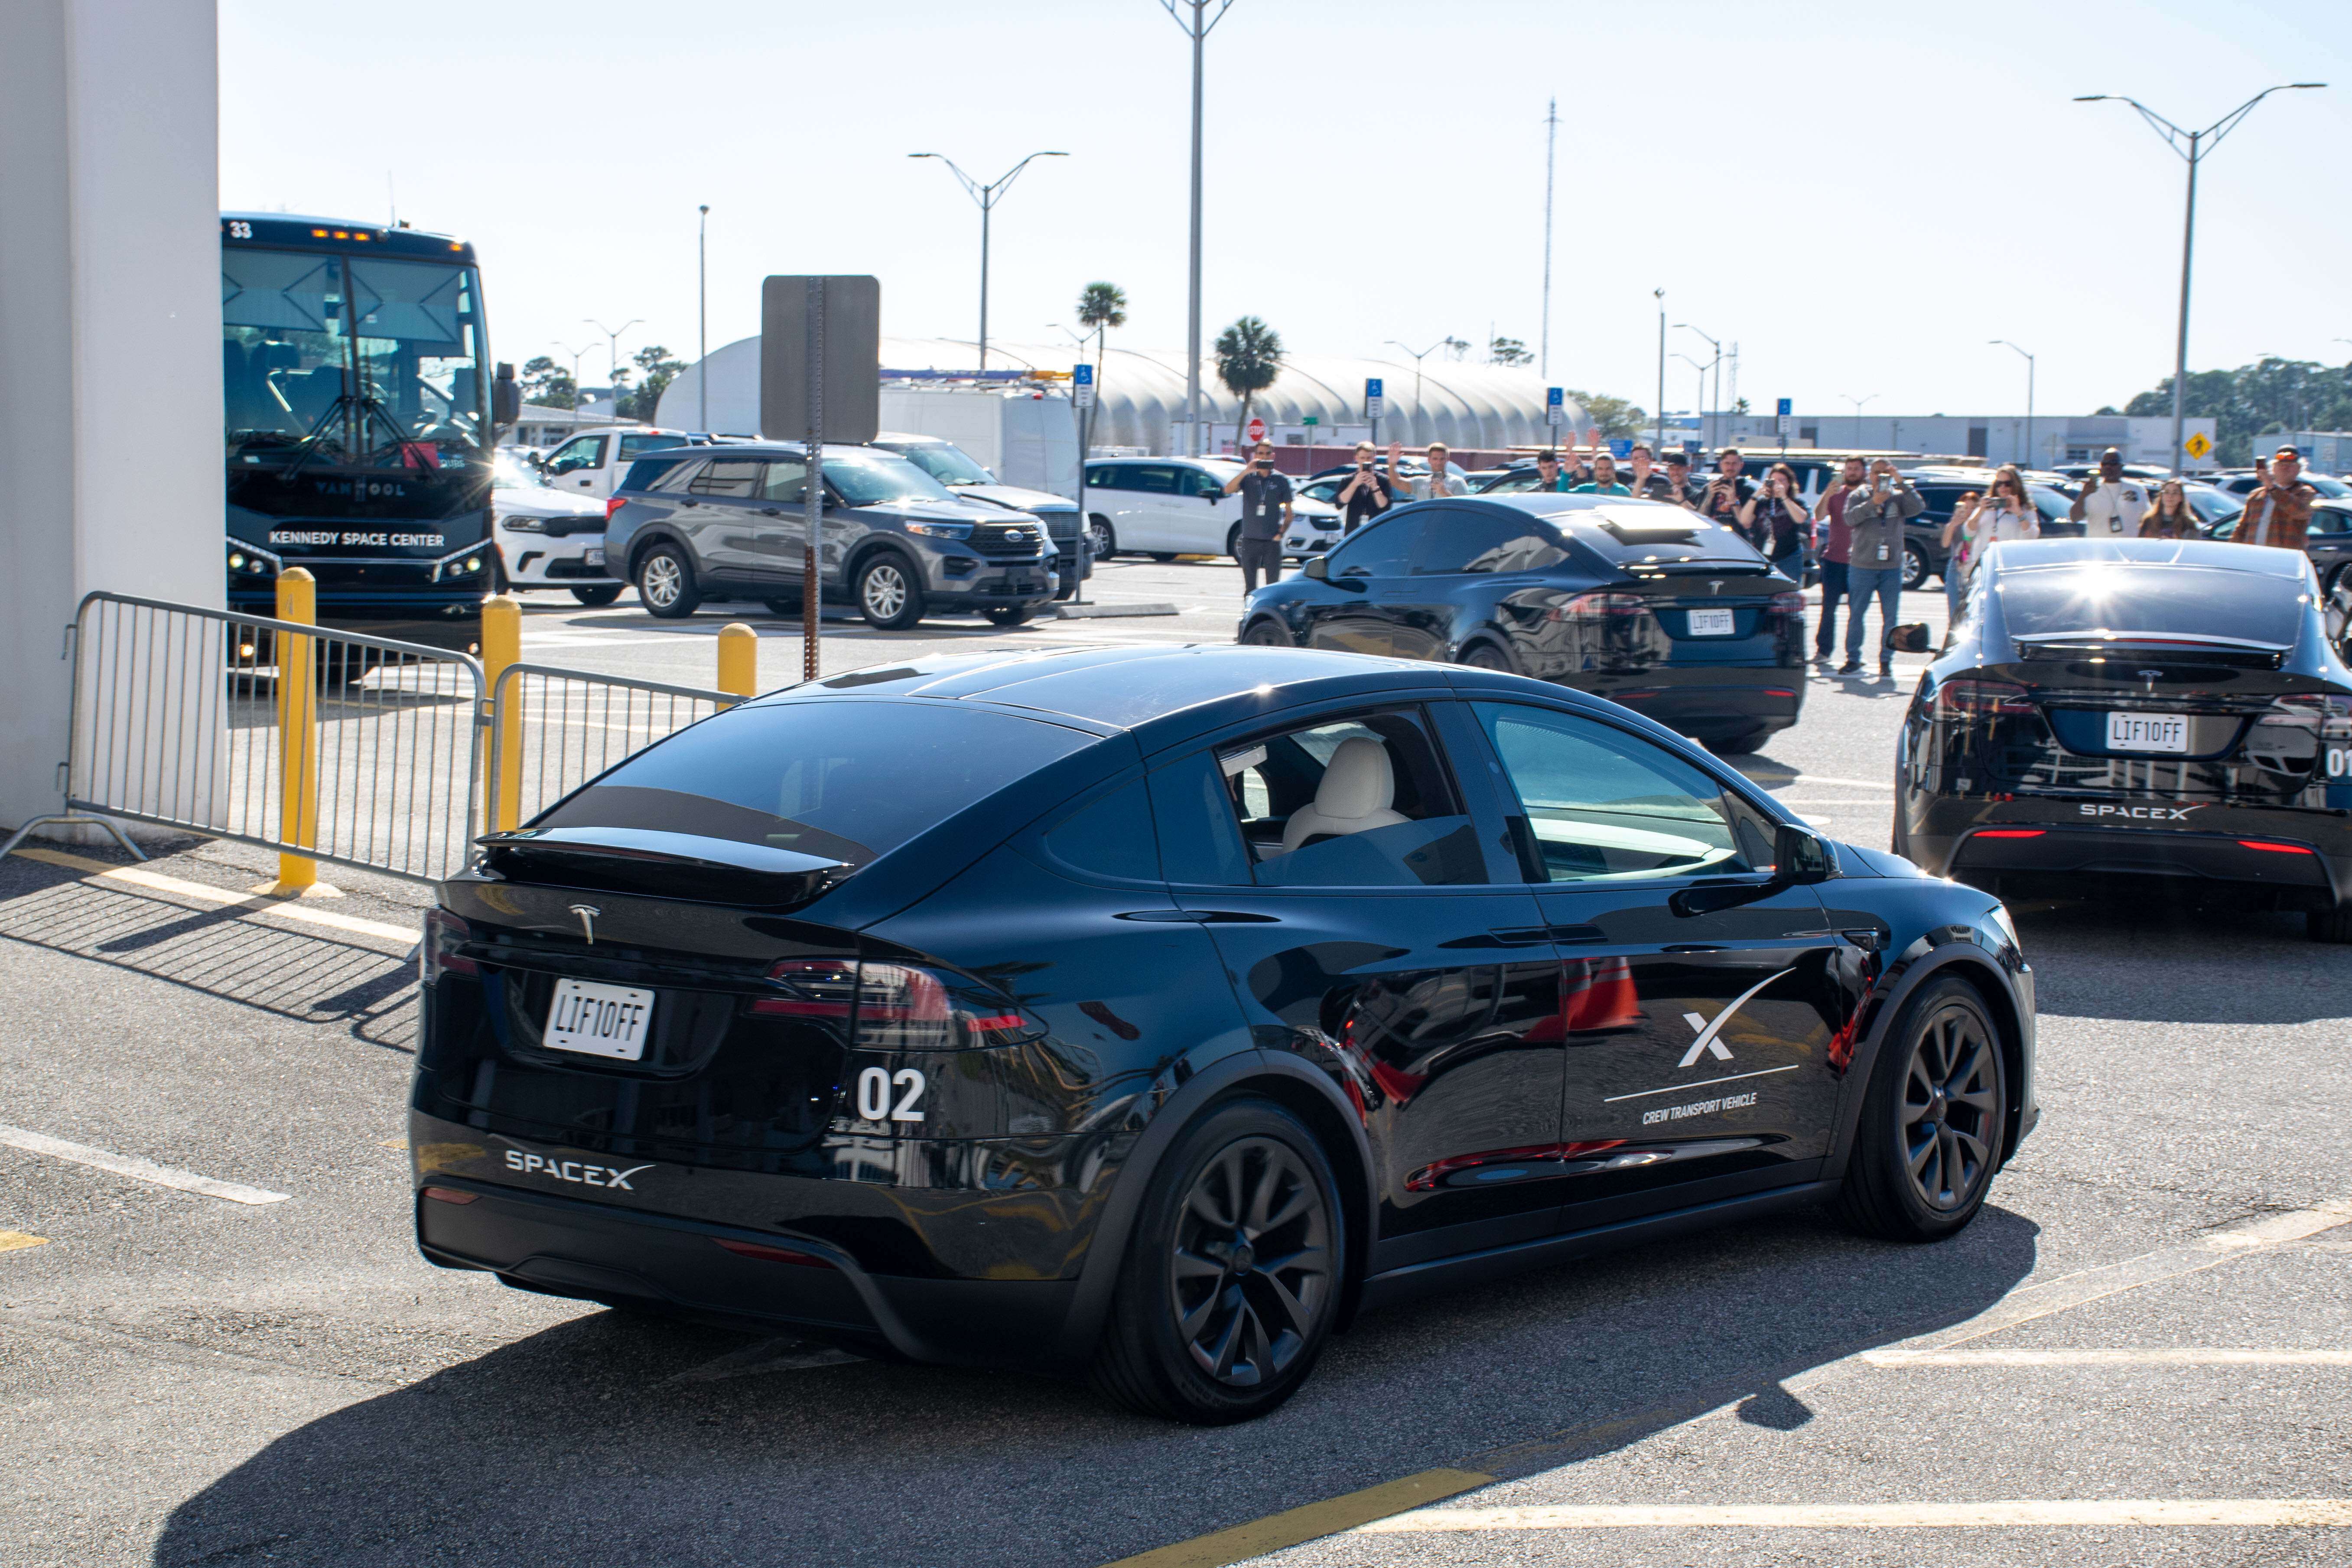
(186, 716)
(555, 730)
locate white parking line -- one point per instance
(131, 1166)
(246, 905)
(2108, 1358)
(2255, 1511)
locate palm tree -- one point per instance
(1249, 356)
(1101, 306)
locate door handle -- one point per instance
(1694, 947)
(772, 512)
(1198, 917)
(689, 503)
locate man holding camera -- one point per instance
(2279, 512)
(1645, 481)
(1265, 513)
(2110, 506)
(1874, 516)
(1727, 493)
(1367, 492)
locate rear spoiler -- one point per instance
(2240, 651)
(661, 864)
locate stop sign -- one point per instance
(1254, 431)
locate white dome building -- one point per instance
(1139, 399)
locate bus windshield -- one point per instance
(350, 362)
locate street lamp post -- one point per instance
(1699, 397)
(1660, 440)
(612, 354)
(1858, 403)
(1703, 428)
(2004, 342)
(1417, 358)
(987, 197)
(2199, 143)
(1196, 29)
(577, 354)
(702, 319)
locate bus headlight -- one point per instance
(247, 560)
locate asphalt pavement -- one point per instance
(2138, 1352)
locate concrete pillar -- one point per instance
(110, 331)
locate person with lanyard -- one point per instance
(1836, 548)
(2110, 506)
(1774, 521)
(1877, 514)
(1265, 512)
(2005, 511)
(1604, 479)
(2169, 517)
(1726, 493)
(1645, 481)
(2278, 513)
(1367, 492)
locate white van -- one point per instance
(1167, 507)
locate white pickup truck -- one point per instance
(594, 463)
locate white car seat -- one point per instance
(1355, 795)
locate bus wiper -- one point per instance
(370, 407)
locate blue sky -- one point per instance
(1861, 195)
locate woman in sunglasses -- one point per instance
(2005, 512)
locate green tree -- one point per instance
(548, 385)
(1612, 417)
(1101, 306)
(1249, 356)
(1508, 351)
(1739, 406)
(2269, 394)
(1455, 348)
(659, 370)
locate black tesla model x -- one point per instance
(1152, 1010)
(1647, 605)
(2138, 716)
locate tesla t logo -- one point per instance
(587, 913)
(1715, 585)
(1707, 1032)
(2149, 674)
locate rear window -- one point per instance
(637, 446)
(1659, 533)
(846, 780)
(2182, 601)
(646, 472)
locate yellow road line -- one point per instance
(13, 1240)
(245, 904)
(2244, 1512)
(1331, 1517)
(2108, 1358)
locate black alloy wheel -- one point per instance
(597, 595)
(1267, 632)
(889, 596)
(1231, 1275)
(1007, 618)
(1932, 1122)
(1915, 567)
(1100, 540)
(666, 583)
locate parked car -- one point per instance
(953, 467)
(1642, 603)
(1940, 488)
(2145, 473)
(594, 463)
(545, 538)
(1146, 1012)
(2242, 482)
(2132, 717)
(1167, 507)
(727, 521)
(2328, 543)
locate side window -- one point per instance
(1361, 802)
(581, 452)
(1601, 805)
(637, 446)
(1158, 480)
(786, 482)
(1112, 837)
(735, 477)
(1197, 482)
(674, 474)
(1379, 549)
(1105, 479)
(1454, 541)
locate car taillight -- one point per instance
(2011, 832)
(2276, 848)
(1979, 699)
(1599, 608)
(612, 505)
(813, 988)
(436, 955)
(898, 1007)
(450, 1196)
(1791, 604)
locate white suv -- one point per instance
(547, 539)
(1167, 507)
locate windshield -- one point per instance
(2212, 506)
(872, 478)
(946, 464)
(850, 781)
(2160, 599)
(513, 471)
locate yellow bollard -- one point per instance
(298, 736)
(739, 659)
(503, 647)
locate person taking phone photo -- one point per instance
(1367, 492)
(1439, 481)
(1265, 513)
(1645, 479)
(2005, 511)
(1774, 521)
(2110, 506)
(1836, 543)
(1727, 493)
(2279, 512)
(1874, 515)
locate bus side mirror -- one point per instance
(506, 396)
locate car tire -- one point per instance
(599, 596)
(1007, 618)
(1100, 539)
(1487, 656)
(666, 583)
(784, 609)
(889, 592)
(1234, 542)
(1162, 556)
(1267, 632)
(1915, 567)
(1942, 1069)
(1066, 590)
(2329, 925)
(1750, 741)
(1198, 1332)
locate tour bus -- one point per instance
(360, 419)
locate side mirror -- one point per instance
(1803, 855)
(1316, 567)
(506, 396)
